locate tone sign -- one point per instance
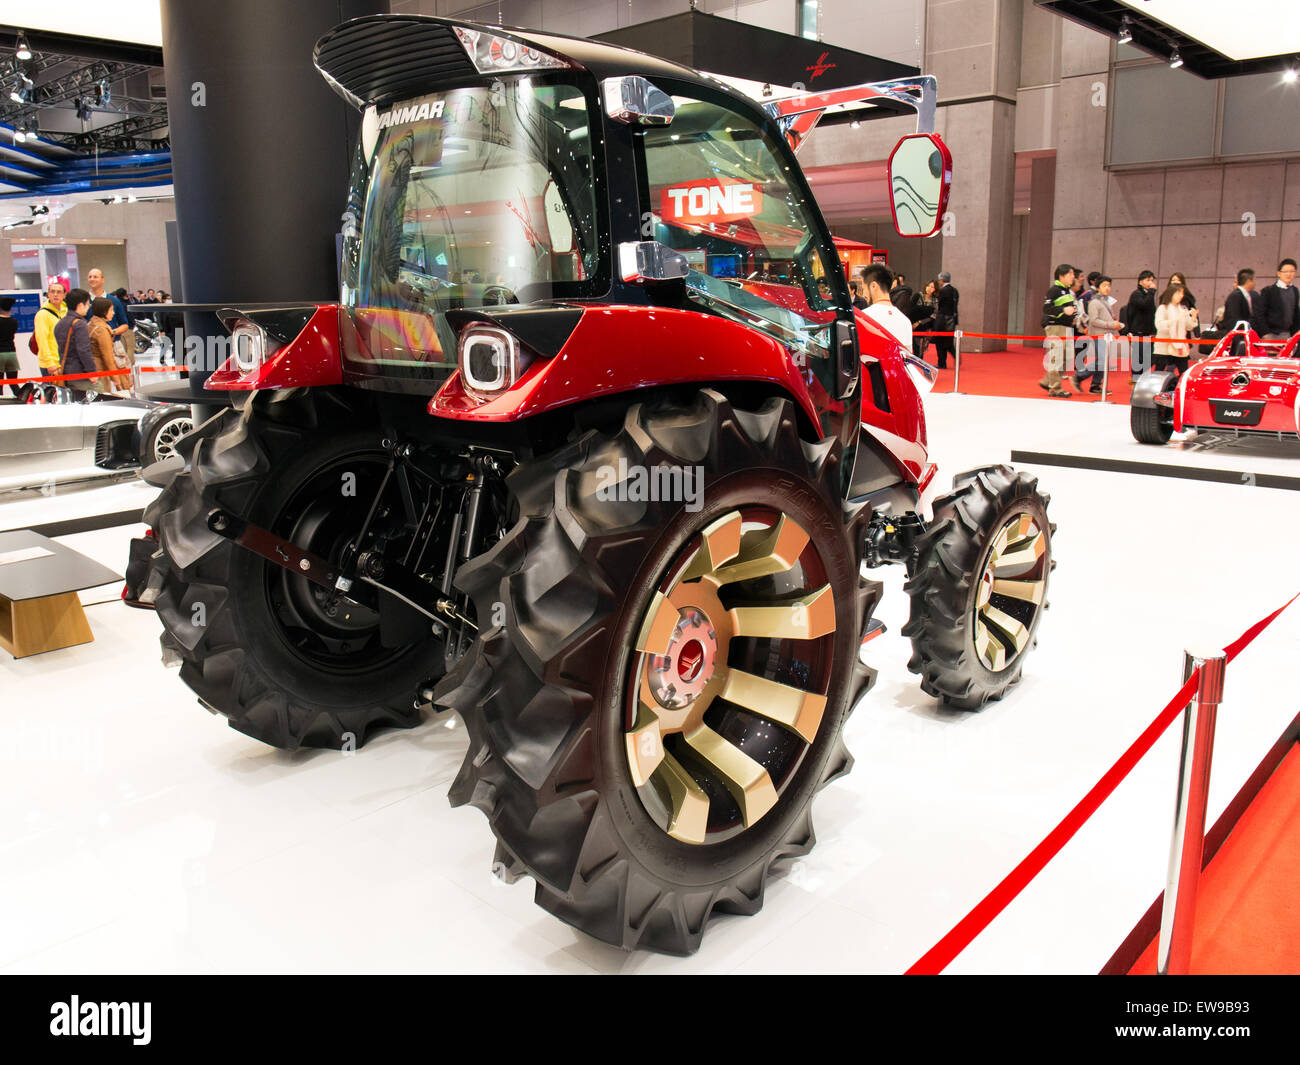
(714, 200)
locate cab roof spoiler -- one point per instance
(381, 58)
(797, 115)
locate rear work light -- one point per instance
(491, 54)
(249, 346)
(491, 360)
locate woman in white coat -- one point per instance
(1174, 322)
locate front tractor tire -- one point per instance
(665, 688)
(256, 643)
(978, 586)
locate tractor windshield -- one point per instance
(478, 196)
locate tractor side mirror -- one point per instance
(920, 175)
(648, 260)
(634, 100)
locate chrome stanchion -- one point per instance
(956, 359)
(1187, 848)
(1105, 368)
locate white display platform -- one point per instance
(143, 835)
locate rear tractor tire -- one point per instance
(978, 586)
(665, 690)
(279, 657)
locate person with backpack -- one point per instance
(42, 343)
(72, 334)
(1059, 311)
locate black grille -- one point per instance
(103, 445)
(391, 57)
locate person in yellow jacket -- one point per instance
(47, 349)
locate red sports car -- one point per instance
(1246, 387)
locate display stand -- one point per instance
(39, 582)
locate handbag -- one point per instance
(119, 354)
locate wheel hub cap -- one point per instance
(682, 667)
(1010, 592)
(679, 677)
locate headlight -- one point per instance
(490, 360)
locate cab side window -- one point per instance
(720, 195)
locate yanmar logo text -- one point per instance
(412, 113)
(75, 1017)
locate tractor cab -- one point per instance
(499, 172)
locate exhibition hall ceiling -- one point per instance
(134, 21)
(1205, 37)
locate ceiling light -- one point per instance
(22, 50)
(1290, 75)
(103, 94)
(855, 124)
(20, 135)
(1125, 30)
(1175, 59)
(21, 91)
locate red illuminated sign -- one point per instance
(706, 202)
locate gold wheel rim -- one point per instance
(681, 670)
(1010, 592)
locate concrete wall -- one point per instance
(140, 263)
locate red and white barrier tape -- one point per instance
(936, 959)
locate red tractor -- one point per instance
(595, 452)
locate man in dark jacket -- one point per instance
(946, 318)
(1240, 306)
(76, 354)
(1139, 318)
(1060, 307)
(1277, 308)
(1140, 321)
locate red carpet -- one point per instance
(1016, 372)
(1247, 921)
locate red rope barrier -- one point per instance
(54, 379)
(959, 938)
(1084, 336)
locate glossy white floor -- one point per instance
(138, 833)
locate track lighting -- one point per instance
(1175, 59)
(1125, 30)
(103, 94)
(22, 50)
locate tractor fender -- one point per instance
(1150, 385)
(630, 348)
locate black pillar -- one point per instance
(261, 149)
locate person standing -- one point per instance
(1139, 318)
(1174, 321)
(100, 327)
(1278, 308)
(946, 319)
(1059, 311)
(879, 281)
(47, 348)
(859, 304)
(123, 323)
(1240, 306)
(922, 317)
(901, 296)
(8, 349)
(72, 334)
(1189, 301)
(1101, 324)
